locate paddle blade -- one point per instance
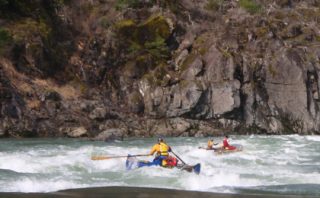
(100, 157)
(197, 168)
(131, 162)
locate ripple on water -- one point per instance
(42, 166)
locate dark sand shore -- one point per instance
(121, 192)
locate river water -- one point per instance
(288, 165)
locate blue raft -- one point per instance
(133, 163)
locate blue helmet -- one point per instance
(160, 139)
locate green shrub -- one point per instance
(250, 5)
(214, 5)
(104, 22)
(5, 37)
(135, 47)
(121, 4)
(158, 48)
(28, 28)
(56, 4)
(148, 36)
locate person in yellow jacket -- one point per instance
(210, 144)
(162, 152)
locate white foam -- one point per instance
(20, 163)
(203, 182)
(264, 161)
(313, 138)
(30, 185)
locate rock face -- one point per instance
(110, 135)
(113, 69)
(76, 132)
(231, 98)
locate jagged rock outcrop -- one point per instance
(113, 69)
(75, 132)
(110, 135)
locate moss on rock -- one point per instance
(5, 38)
(154, 29)
(251, 6)
(28, 29)
(188, 61)
(157, 77)
(156, 26)
(126, 28)
(145, 43)
(214, 5)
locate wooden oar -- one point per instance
(103, 157)
(178, 157)
(205, 148)
(196, 168)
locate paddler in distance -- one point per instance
(226, 145)
(210, 144)
(162, 154)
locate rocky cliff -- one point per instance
(115, 68)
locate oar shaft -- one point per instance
(178, 157)
(103, 157)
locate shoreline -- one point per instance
(140, 192)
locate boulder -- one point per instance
(180, 59)
(76, 132)
(160, 128)
(187, 41)
(52, 95)
(110, 135)
(2, 129)
(98, 113)
(199, 134)
(185, 134)
(208, 128)
(184, 98)
(193, 70)
(180, 125)
(86, 105)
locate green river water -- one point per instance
(268, 165)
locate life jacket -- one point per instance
(163, 149)
(210, 144)
(225, 143)
(227, 146)
(171, 161)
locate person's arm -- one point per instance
(153, 150)
(225, 143)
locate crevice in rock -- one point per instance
(201, 109)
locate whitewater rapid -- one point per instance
(275, 164)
